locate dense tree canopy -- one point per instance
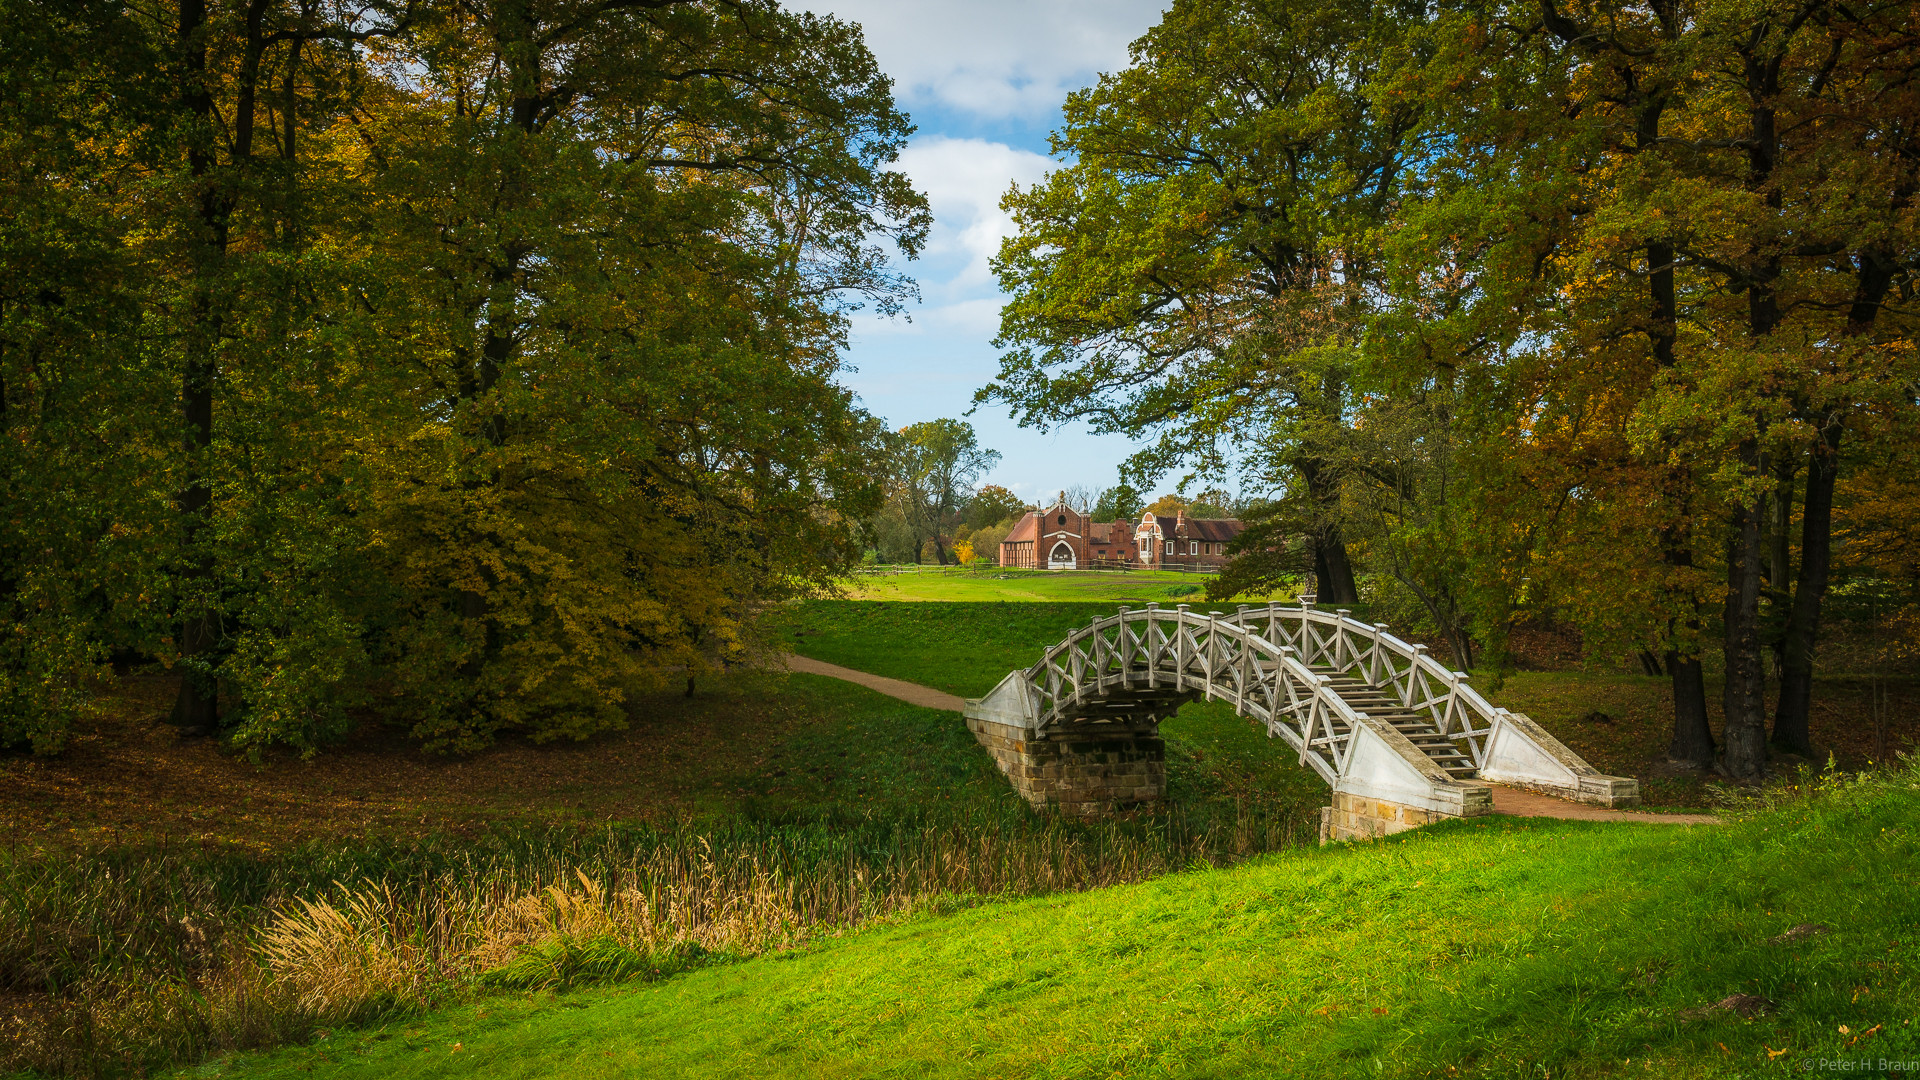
(1585, 310)
(470, 360)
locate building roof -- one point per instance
(1212, 530)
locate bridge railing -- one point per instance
(1265, 658)
(1186, 652)
(1283, 666)
(1336, 640)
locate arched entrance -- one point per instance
(1061, 557)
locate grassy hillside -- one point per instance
(138, 872)
(1491, 948)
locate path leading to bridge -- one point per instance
(1506, 800)
(912, 693)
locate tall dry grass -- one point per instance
(128, 962)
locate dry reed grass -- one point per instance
(618, 906)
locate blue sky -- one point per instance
(983, 80)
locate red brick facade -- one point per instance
(1062, 538)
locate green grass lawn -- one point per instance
(1491, 948)
(1136, 587)
(966, 648)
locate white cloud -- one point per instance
(977, 320)
(964, 180)
(996, 58)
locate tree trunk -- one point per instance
(1779, 569)
(1333, 572)
(1692, 736)
(1791, 728)
(197, 707)
(1745, 695)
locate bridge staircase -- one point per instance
(1419, 728)
(1400, 739)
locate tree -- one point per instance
(938, 462)
(1121, 502)
(1200, 267)
(993, 504)
(986, 539)
(1082, 498)
(1213, 503)
(1656, 247)
(502, 338)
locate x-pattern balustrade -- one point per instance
(1277, 665)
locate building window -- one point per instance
(1169, 547)
(1063, 519)
(1193, 547)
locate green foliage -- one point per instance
(933, 466)
(1523, 310)
(1121, 502)
(506, 398)
(993, 504)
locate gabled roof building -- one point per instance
(1062, 538)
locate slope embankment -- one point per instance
(1502, 947)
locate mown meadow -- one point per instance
(1498, 948)
(367, 900)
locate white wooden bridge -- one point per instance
(1401, 739)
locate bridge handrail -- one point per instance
(1296, 639)
(1304, 719)
(1281, 666)
(1456, 708)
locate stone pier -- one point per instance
(1358, 817)
(1084, 769)
(1110, 758)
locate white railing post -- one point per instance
(1453, 702)
(1153, 653)
(1243, 671)
(1181, 643)
(1413, 674)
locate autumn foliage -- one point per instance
(468, 362)
(1594, 312)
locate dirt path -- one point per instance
(1506, 800)
(912, 693)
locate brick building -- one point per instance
(1062, 538)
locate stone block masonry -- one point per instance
(1357, 817)
(1086, 769)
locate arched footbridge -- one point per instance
(1401, 739)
